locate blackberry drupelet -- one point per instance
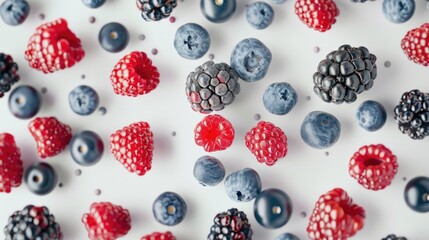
(33, 223)
(232, 224)
(412, 114)
(155, 10)
(394, 237)
(8, 73)
(345, 73)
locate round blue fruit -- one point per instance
(86, 148)
(259, 15)
(279, 98)
(209, 171)
(416, 194)
(83, 100)
(218, 11)
(272, 208)
(169, 208)
(320, 130)
(243, 185)
(14, 12)
(191, 41)
(371, 115)
(251, 59)
(24, 102)
(398, 11)
(40, 178)
(113, 37)
(286, 236)
(93, 3)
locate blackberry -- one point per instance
(232, 224)
(394, 237)
(8, 73)
(211, 87)
(412, 114)
(345, 73)
(155, 10)
(32, 223)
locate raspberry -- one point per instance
(317, 14)
(134, 75)
(53, 47)
(214, 133)
(51, 135)
(133, 147)
(374, 166)
(267, 142)
(8, 73)
(106, 221)
(159, 236)
(335, 217)
(11, 164)
(414, 44)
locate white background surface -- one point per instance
(304, 173)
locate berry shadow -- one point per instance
(162, 144)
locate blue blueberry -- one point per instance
(251, 59)
(209, 170)
(320, 130)
(113, 37)
(272, 208)
(416, 194)
(14, 12)
(93, 3)
(279, 98)
(191, 41)
(24, 102)
(371, 115)
(286, 236)
(86, 148)
(259, 15)
(243, 185)
(218, 11)
(278, 1)
(40, 178)
(169, 208)
(398, 11)
(83, 100)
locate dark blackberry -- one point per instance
(362, 1)
(229, 225)
(211, 87)
(155, 10)
(32, 223)
(393, 237)
(8, 73)
(345, 73)
(412, 114)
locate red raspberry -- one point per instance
(374, 166)
(414, 44)
(335, 217)
(133, 147)
(51, 135)
(214, 133)
(134, 75)
(106, 221)
(10, 163)
(267, 142)
(317, 14)
(159, 236)
(53, 47)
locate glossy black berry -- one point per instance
(24, 102)
(8, 73)
(155, 10)
(86, 148)
(229, 225)
(272, 208)
(416, 194)
(218, 11)
(169, 208)
(40, 178)
(113, 37)
(83, 100)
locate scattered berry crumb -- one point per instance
(41, 16)
(77, 172)
(154, 51)
(387, 64)
(60, 185)
(326, 153)
(102, 111)
(316, 49)
(173, 133)
(97, 192)
(91, 19)
(308, 98)
(257, 116)
(211, 56)
(303, 214)
(44, 90)
(142, 37)
(172, 19)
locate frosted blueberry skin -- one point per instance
(218, 11)
(86, 148)
(243, 185)
(279, 98)
(371, 115)
(93, 3)
(40, 178)
(398, 11)
(287, 236)
(83, 100)
(251, 59)
(191, 41)
(169, 208)
(24, 102)
(113, 37)
(416, 194)
(14, 12)
(259, 15)
(320, 130)
(209, 171)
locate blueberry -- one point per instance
(191, 41)
(86, 148)
(259, 15)
(209, 170)
(398, 11)
(416, 194)
(93, 3)
(320, 130)
(272, 208)
(243, 185)
(14, 12)
(218, 11)
(169, 208)
(371, 115)
(40, 178)
(24, 102)
(278, 1)
(286, 236)
(83, 100)
(113, 37)
(279, 98)
(251, 59)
